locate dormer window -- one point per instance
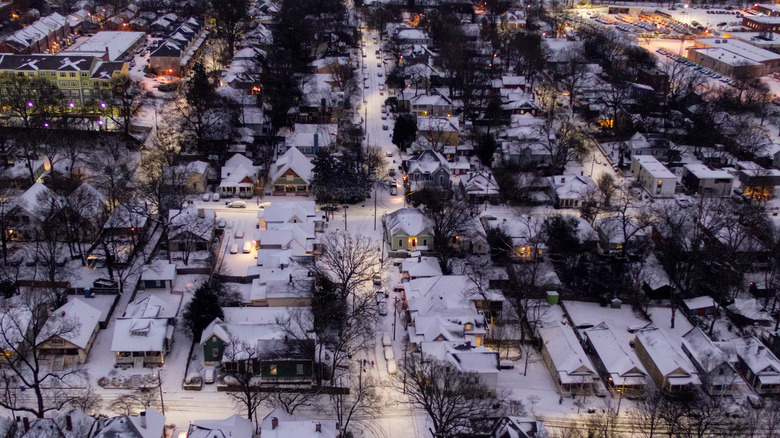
(468, 326)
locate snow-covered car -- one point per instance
(386, 341)
(382, 306)
(237, 204)
(205, 197)
(385, 127)
(221, 222)
(377, 279)
(209, 375)
(247, 247)
(389, 355)
(389, 153)
(379, 74)
(239, 233)
(392, 368)
(215, 197)
(234, 248)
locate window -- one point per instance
(62, 74)
(42, 73)
(425, 242)
(56, 341)
(299, 369)
(73, 74)
(400, 243)
(273, 369)
(30, 73)
(215, 352)
(86, 92)
(83, 74)
(85, 83)
(74, 83)
(52, 74)
(63, 83)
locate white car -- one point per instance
(234, 248)
(205, 197)
(389, 153)
(392, 367)
(247, 247)
(239, 234)
(221, 222)
(379, 74)
(209, 375)
(215, 197)
(237, 204)
(389, 355)
(386, 341)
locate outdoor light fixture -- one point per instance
(29, 104)
(100, 122)
(71, 104)
(102, 104)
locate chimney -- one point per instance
(143, 419)
(107, 55)
(274, 423)
(318, 427)
(201, 213)
(68, 422)
(26, 422)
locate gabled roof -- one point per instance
(39, 201)
(759, 360)
(148, 424)
(235, 426)
(74, 322)
(409, 222)
(665, 357)
(620, 362)
(700, 347)
(289, 426)
(567, 355)
(293, 160)
(427, 162)
(141, 334)
(572, 186)
(151, 307)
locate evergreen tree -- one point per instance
(405, 131)
(203, 308)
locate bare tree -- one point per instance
(449, 397)
(362, 400)
(572, 71)
(24, 323)
(350, 260)
(238, 371)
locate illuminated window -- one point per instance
(273, 369)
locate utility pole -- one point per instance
(375, 205)
(162, 402)
(395, 314)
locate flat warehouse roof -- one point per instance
(117, 43)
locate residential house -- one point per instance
(659, 181)
(523, 142)
(439, 130)
(506, 427)
(472, 238)
(523, 231)
(178, 52)
(615, 361)
(749, 312)
(420, 267)
(234, 426)
(190, 230)
(142, 342)
(466, 358)
(425, 105)
(277, 359)
(16, 327)
(159, 275)
(128, 221)
(147, 424)
(480, 186)
(616, 233)
(571, 369)
(655, 145)
(280, 424)
(85, 210)
(670, 370)
(411, 36)
(408, 229)
(310, 138)
(193, 175)
(17, 175)
(759, 183)
(428, 168)
(707, 182)
(291, 174)
(30, 212)
(571, 191)
(758, 366)
(73, 424)
(68, 334)
(716, 372)
(283, 286)
(239, 177)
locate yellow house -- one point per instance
(83, 80)
(408, 229)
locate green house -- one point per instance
(408, 229)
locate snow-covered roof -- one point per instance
(427, 162)
(653, 166)
(238, 171)
(74, 322)
(293, 160)
(700, 347)
(152, 307)
(701, 302)
(87, 201)
(141, 334)
(289, 212)
(670, 363)
(572, 186)
(621, 363)
(116, 43)
(465, 357)
(198, 221)
(289, 426)
(159, 270)
(281, 283)
(701, 171)
(438, 124)
(421, 267)
(409, 222)
(612, 228)
(148, 424)
(481, 183)
(567, 355)
(39, 200)
(235, 426)
(750, 309)
(761, 362)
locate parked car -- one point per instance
(391, 172)
(393, 190)
(237, 204)
(377, 279)
(386, 342)
(389, 355)
(209, 375)
(392, 368)
(379, 74)
(383, 306)
(239, 234)
(205, 197)
(234, 248)
(389, 153)
(247, 247)
(385, 128)
(221, 222)
(215, 197)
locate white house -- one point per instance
(707, 182)
(280, 424)
(239, 177)
(653, 175)
(716, 372)
(570, 191)
(615, 361)
(571, 369)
